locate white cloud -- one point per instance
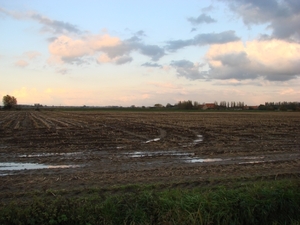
(270, 59)
(67, 49)
(32, 55)
(21, 63)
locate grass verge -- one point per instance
(259, 202)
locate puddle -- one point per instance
(9, 166)
(196, 141)
(48, 155)
(255, 162)
(198, 160)
(233, 160)
(158, 153)
(199, 139)
(251, 157)
(152, 140)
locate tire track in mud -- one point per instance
(7, 121)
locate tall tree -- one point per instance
(9, 101)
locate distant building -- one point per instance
(250, 107)
(209, 106)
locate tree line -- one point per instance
(189, 105)
(282, 106)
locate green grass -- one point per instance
(260, 202)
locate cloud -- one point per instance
(54, 26)
(216, 38)
(64, 48)
(69, 50)
(21, 63)
(273, 60)
(235, 82)
(49, 25)
(67, 47)
(140, 33)
(204, 39)
(153, 51)
(149, 64)
(119, 60)
(62, 71)
(208, 8)
(98, 42)
(202, 18)
(26, 58)
(123, 60)
(283, 17)
(188, 69)
(135, 44)
(32, 55)
(289, 92)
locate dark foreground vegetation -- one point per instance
(255, 202)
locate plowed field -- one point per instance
(60, 150)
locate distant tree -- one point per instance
(196, 104)
(262, 107)
(9, 101)
(157, 105)
(169, 105)
(185, 105)
(223, 104)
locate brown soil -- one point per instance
(102, 149)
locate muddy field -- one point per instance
(57, 150)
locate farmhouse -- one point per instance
(209, 106)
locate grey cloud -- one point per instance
(208, 8)
(123, 60)
(74, 60)
(140, 33)
(134, 44)
(283, 16)
(153, 51)
(233, 59)
(239, 66)
(175, 45)
(52, 26)
(188, 69)
(55, 26)
(215, 38)
(149, 64)
(204, 39)
(62, 71)
(118, 50)
(239, 83)
(51, 39)
(203, 18)
(286, 28)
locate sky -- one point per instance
(132, 52)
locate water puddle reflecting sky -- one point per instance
(49, 154)
(198, 160)
(199, 139)
(12, 166)
(157, 153)
(152, 140)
